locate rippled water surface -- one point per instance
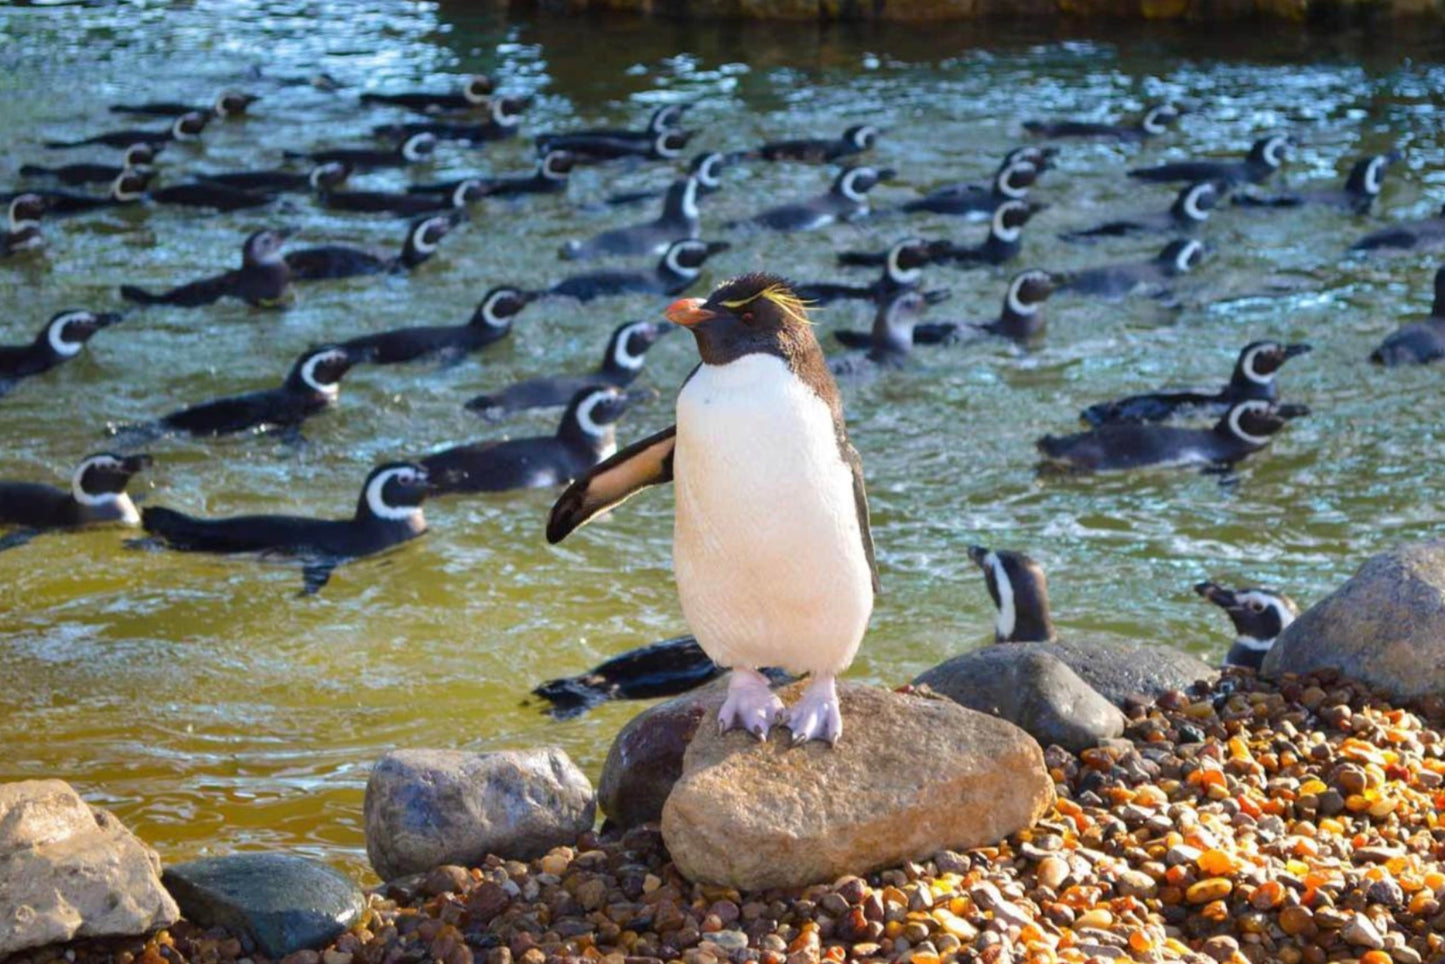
(214, 711)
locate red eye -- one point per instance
(748, 317)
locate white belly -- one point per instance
(767, 548)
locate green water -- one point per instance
(214, 711)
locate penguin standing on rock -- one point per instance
(771, 545)
(1259, 616)
(62, 338)
(262, 281)
(96, 495)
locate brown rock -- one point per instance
(910, 777)
(645, 759)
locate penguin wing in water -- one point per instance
(1152, 407)
(614, 480)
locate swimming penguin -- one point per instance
(475, 93)
(341, 261)
(206, 194)
(228, 103)
(1021, 321)
(1245, 429)
(846, 200)
(902, 270)
(890, 340)
(506, 114)
(584, 437)
(1003, 242)
(1259, 616)
(768, 487)
(817, 150)
(1155, 121)
(1426, 233)
(387, 514)
(1190, 209)
(22, 227)
(322, 177)
(1115, 281)
(137, 155)
(705, 168)
(415, 149)
(96, 495)
(404, 204)
(550, 177)
(1419, 342)
(1362, 186)
(311, 387)
(679, 219)
(1254, 377)
(262, 281)
(1264, 158)
(1010, 183)
(129, 187)
(490, 323)
(187, 127)
(621, 363)
(678, 268)
(62, 338)
(662, 138)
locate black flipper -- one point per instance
(17, 538)
(315, 574)
(610, 482)
(860, 503)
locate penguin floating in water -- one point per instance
(475, 94)
(1152, 277)
(1245, 429)
(387, 514)
(129, 187)
(1419, 342)
(621, 363)
(1190, 210)
(678, 268)
(62, 338)
(846, 200)
(1264, 158)
(1259, 616)
(1155, 121)
(705, 168)
(679, 219)
(768, 488)
(1021, 321)
(891, 338)
(96, 495)
(585, 436)
(73, 175)
(490, 323)
(228, 104)
(22, 227)
(416, 149)
(662, 139)
(1003, 242)
(184, 129)
(207, 194)
(406, 204)
(902, 270)
(1362, 186)
(506, 114)
(820, 150)
(329, 261)
(1010, 183)
(1254, 377)
(549, 177)
(262, 281)
(321, 178)
(1425, 233)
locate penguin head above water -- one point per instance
(394, 492)
(893, 325)
(1027, 290)
(1271, 151)
(264, 247)
(751, 314)
(130, 184)
(67, 331)
(855, 183)
(556, 165)
(1367, 177)
(861, 137)
(668, 117)
(328, 176)
(188, 126)
(25, 212)
(1253, 422)
(906, 260)
(467, 192)
(627, 348)
(101, 478)
(708, 168)
(1014, 179)
(1020, 593)
(1195, 201)
(1181, 256)
(499, 306)
(670, 143)
(591, 413)
(1260, 360)
(230, 103)
(418, 147)
(687, 257)
(1042, 158)
(507, 111)
(1159, 118)
(1259, 616)
(139, 155)
(1010, 217)
(423, 237)
(478, 88)
(320, 370)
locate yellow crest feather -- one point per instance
(789, 303)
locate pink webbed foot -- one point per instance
(750, 704)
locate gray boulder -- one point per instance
(425, 808)
(1385, 626)
(68, 871)
(275, 903)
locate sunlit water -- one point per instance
(215, 711)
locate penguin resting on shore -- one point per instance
(771, 546)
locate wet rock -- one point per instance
(645, 759)
(910, 777)
(276, 903)
(1030, 688)
(425, 808)
(68, 870)
(1385, 626)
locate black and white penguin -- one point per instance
(490, 323)
(1418, 342)
(321, 178)
(819, 150)
(770, 505)
(621, 363)
(1264, 158)
(1425, 233)
(1003, 242)
(404, 204)
(846, 200)
(96, 495)
(679, 219)
(1254, 377)
(585, 436)
(186, 128)
(1115, 281)
(1155, 121)
(1020, 593)
(679, 267)
(1362, 186)
(129, 187)
(666, 668)
(416, 149)
(228, 103)
(22, 225)
(1021, 321)
(62, 338)
(475, 94)
(137, 155)
(505, 116)
(1245, 429)
(1259, 616)
(311, 387)
(705, 168)
(207, 194)
(342, 261)
(1011, 183)
(1190, 210)
(891, 338)
(388, 513)
(902, 271)
(262, 281)
(550, 177)
(662, 139)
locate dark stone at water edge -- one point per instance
(276, 903)
(645, 759)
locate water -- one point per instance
(214, 711)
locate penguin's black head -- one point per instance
(1042, 158)
(105, 474)
(671, 143)
(855, 183)
(1439, 310)
(1026, 291)
(507, 111)
(708, 168)
(1254, 421)
(393, 492)
(556, 165)
(67, 331)
(130, 184)
(894, 322)
(1020, 593)
(189, 126)
(1010, 217)
(478, 88)
(1159, 118)
(1195, 201)
(139, 155)
(1271, 151)
(668, 117)
(467, 192)
(229, 103)
(1181, 256)
(328, 176)
(1014, 180)
(264, 246)
(26, 211)
(418, 147)
(752, 313)
(320, 370)
(1259, 360)
(1368, 175)
(424, 235)
(1259, 616)
(591, 413)
(906, 259)
(688, 257)
(861, 136)
(627, 348)
(500, 305)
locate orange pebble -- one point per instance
(1216, 863)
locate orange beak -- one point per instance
(688, 312)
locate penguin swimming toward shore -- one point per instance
(137, 155)
(1151, 277)
(186, 128)
(475, 94)
(96, 496)
(902, 270)
(1190, 210)
(322, 177)
(679, 219)
(1258, 615)
(768, 488)
(343, 261)
(416, 149)
(490, 323)
(228, 103)
(62, 338)
(1361, 187)
(549, 177)
(820, 150)
(1265, 157)
(1010, 183)
(262, 281)
(661, 139)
